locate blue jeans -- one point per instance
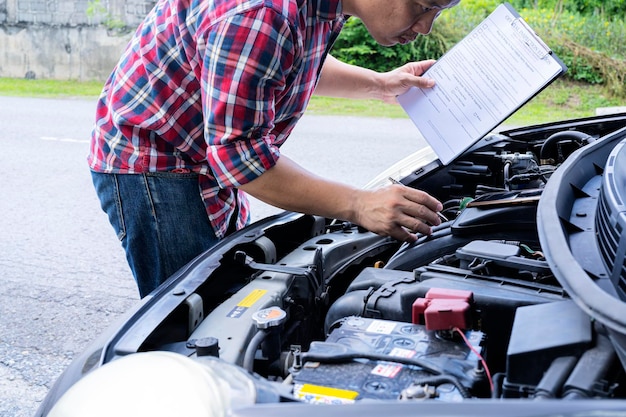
(159, 218)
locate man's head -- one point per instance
(397, 21)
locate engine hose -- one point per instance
(567, 134)
(553, 379)
(253, 346)
(497, 385)
(507, 175)
(592, 367)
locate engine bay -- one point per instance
(326, 312)
(472, 311)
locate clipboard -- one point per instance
(481, 81)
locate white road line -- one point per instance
(55, 139)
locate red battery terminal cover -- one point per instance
(443, 309)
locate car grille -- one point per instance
(610, 218)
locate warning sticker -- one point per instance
(246, 303)
(317, 394)
(381, 327)
(252, 298)
(387, 370)
(402, 353)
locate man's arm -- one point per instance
(388, 211)
(339, 79)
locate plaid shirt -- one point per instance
(213, 87)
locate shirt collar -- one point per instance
(327, 9)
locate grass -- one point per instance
(562, 100)
(21, 87)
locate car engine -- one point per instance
(472, 311)
(518, 294)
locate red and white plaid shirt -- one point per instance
(213, 87)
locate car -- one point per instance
(515, 305)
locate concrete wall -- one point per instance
(65, 39)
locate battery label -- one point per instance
(317, 394)
(402, 353)
(387, 370)
(381, 327)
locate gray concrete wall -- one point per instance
(65, 39)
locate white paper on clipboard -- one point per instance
(480, 82)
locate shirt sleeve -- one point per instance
(247, 59)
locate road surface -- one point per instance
(63, 276)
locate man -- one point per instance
(202, 99)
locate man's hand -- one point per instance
(339, 79)
(399, 80)
(398, 211)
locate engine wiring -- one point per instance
(480, 357)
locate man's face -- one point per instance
(401, 21)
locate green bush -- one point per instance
(589, 36)
(615, 8)
(592, 46)
(592, 31)
(356, 46)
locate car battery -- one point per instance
(367, 358)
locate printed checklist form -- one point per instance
(480, 82)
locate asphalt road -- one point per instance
(63, 276)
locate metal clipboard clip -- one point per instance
(528, 36)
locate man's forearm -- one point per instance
(394, 210)
(291, 187)
(339, 79)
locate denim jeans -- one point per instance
(159, 218)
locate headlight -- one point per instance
(158, 384)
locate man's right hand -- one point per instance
(396, 210)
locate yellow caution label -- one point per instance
(325, 395)
(252, 298)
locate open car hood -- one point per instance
(517, 297)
